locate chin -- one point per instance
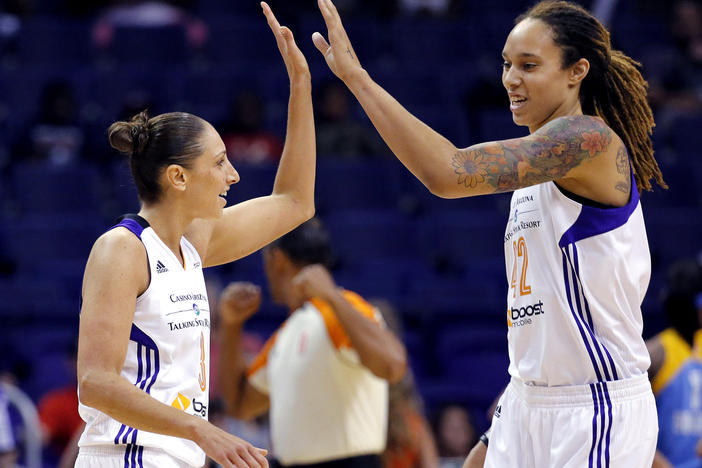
(520, 120)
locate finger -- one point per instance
(272, 20)
(287, 35)
(259, 455)
(237, 461)
(326, 13)
(337, 19)
(250, 460)
(275, 26)
(320, 43)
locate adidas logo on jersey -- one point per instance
(160, 267)
(498, 411)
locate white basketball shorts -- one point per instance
(126, 456)
(600, 425)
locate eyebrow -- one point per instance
(223, 152)
(521, 55)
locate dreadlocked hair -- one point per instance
(613, 90)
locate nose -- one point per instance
(510, 78)
(233, 175)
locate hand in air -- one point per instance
(238, 302)
(338, 53)
(295, 61)
(314, 281)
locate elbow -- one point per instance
(89, 390)
(436, 187)
(397, 370)
(308, 212)
(392, 370)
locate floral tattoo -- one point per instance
(548, 154)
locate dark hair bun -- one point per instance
(130, 137)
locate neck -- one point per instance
(293, 299)
(168, 222)
(567, 109)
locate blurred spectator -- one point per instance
(410, 442)
(8, 453)
(243, 133)
(148, 14)
(58, 413)
(676, 368)
(426, 7)
(675, 76)
(455, 435)
(255, 431)
(55, 135)
(338, 134)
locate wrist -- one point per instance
(331, 295)
(195, 429)
(301, 80)
(356, 79)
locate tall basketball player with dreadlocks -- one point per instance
(577, 258)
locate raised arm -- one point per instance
(238, 302)
(553, 153)
(248, 226)
(378, 348)
(116, 273)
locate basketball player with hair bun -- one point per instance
(577, 258)
(143, 351)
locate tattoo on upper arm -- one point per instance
(348, 51)
(623, 169)
(548, 154)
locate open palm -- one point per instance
(338, 52)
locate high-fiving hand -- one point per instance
(338, 52)
(295, 61)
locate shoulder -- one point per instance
(593, 134)
(118, 242)
(118, 253)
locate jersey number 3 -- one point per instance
(520, 251)
(202, 378)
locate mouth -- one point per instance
(517, 102)
(223, 196)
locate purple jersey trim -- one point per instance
(594, 221)
(135, 223)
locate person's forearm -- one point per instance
(378, 349)
(111, 394)
(232, 368)
(296, 171)
(426, 153)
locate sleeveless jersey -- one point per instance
(577, 276)
(678, 388)
(168, 352)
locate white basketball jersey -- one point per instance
(168, 353)
(577, 276)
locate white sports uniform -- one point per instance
(325, 405)
(579, 393)
(167, 357)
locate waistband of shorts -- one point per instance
(576, 395)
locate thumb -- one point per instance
(287, 34)
(320, 43)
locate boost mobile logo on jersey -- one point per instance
(518, 317)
